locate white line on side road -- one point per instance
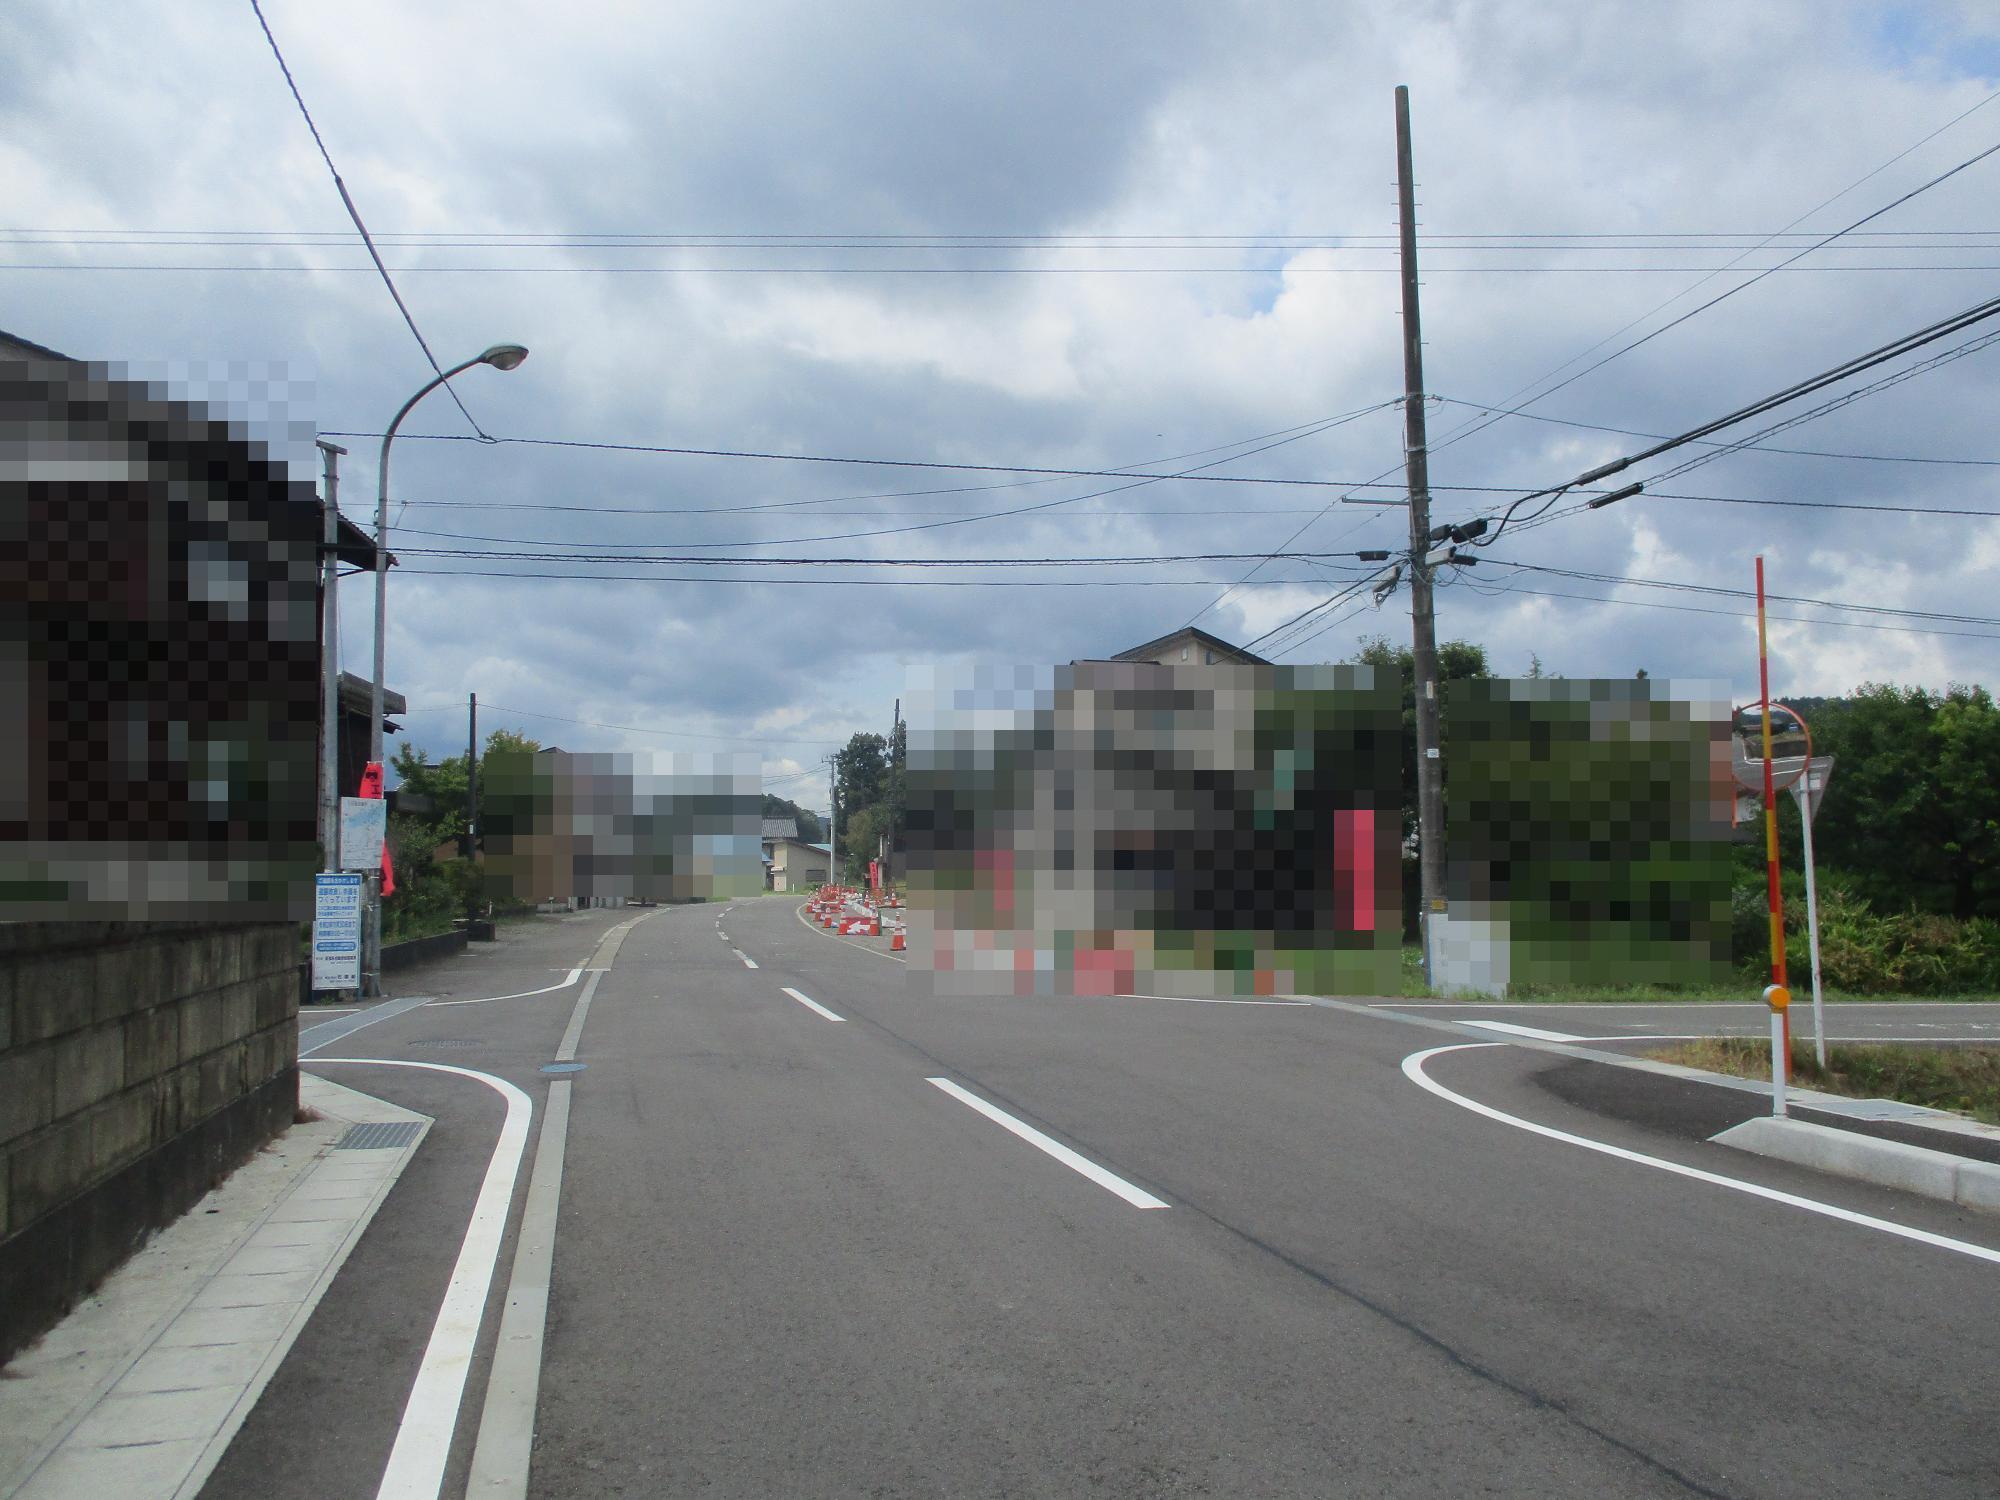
(423, 1438)
(1534, 1033)
(1083, 1165)
(547, 989)
(748, 961)
(1413, 1067)
(811, 1004)
(573, 1033)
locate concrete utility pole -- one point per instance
(500, 357)
(472, 803)
(329, 660)
(1423, 624)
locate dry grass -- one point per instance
(1964, 1079)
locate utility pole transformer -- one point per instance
(1423, 624)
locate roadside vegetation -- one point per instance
(1962, 1079)
(1907, 844)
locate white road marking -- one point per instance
(1535, 1033)
(799, 911)
(423, 1438)
(748, 961)
(329, 1032)
(573, 1033)
(505, 1445)
(1110, 1182)
(1206, 1000)
(811, 1004)
(547, 989)
(1413, 1067)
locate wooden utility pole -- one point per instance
(1423, 624)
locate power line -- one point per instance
(1472, 429)
(1686, 241)
(1286, 270)
(1309, 239)
(1875, 458)
(705, 561)
(528, 713)
(1192, 476)
(857, 583)
(1894, 349)
(355, 214)
(1735, 614)
(1682, 586)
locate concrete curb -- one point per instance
(1891, 1164)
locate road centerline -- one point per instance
(1082, 1165)
(809, 1003)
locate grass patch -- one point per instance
(1964, 1079)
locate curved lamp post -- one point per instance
(501, 357)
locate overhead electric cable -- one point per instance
(360, 228)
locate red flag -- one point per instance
(371, 788)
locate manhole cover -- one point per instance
(377, 1136)
(563, 1067)
(447, 1041)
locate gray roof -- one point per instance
(781, 828)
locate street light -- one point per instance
(501, 357)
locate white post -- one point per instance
(1778, 1061)
(1802, 794)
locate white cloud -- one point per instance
(1271, 123)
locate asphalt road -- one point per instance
(788, 1262)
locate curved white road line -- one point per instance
(423, 1439)
(1413, 1067)
(799, 911)
(547, 989)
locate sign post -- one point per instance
(336, 935)
(1780, 1000)
(1806, 792)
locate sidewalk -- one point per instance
(137, 1393)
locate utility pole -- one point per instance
(1423, 624)
(329, 660)
(833, 819)
(473, 890)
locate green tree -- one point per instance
(862, 781)
(1456, 660)
(1911, 819)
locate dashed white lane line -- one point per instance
(1413, 1068)
(423, 1438)
(748, 961)
(809, 1003)
(1112, 1183)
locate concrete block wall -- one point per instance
(139, 1063)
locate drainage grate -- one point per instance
(378, 1136)
(446, 1041)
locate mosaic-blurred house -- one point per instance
(1223, 827)
(159, 718)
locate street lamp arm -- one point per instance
(388, 437)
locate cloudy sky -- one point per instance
(1110, 236)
